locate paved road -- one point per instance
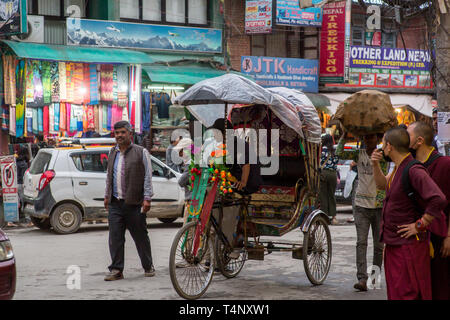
(43, 258)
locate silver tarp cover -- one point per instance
(308, 116)
(235, 89)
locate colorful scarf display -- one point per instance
(105, 118)
(86, 84)
(56, 110)
(109, 126)
(47, 81)
(62, 81)
(29, 82)
(35, 121)
(134, 105)
(20, 98)
(122, 85)
(68, 116)
(93, 84)
(90, 117)
(12, 121)
(29, 119)
(62, 116)
(54, 73)
(5, 118)
(70, 81)
(40, 120)
(78, 79)
(38, 93)
(45, 120)
(51, 119)
(100, 119)
(106, 82)
(9, 79)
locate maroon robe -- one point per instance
(407, 261)
(440, 267)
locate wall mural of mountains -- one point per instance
(142, 36)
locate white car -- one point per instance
(66, 185)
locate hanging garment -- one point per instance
(40, 119)
(109, 126)
(84, 120)
(62, 117)
(125, 114)
(9, 79)
(116, 114)
(20, 98)
(29, 82)
(46, 81)
(105, 117)
(35, 121)
(51, 119)
(56, 110)
(115, 84)
(106, 82)
(86, 84)
(138, 99)
(29, 119)
(68, 116)
(90, 117)
(38, 93)
(12, 121)
(96, 115)
(78, 80)
(55, 81)
(93, 83)
(45, 120)
(74, 118)
(146, 111)
(122, 85)
(162, 104)
(5, 118)
(62, 81)
(100, 118)
(132, 95)
(70, 84)
(2, 92)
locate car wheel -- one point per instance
(66, 218)
(167, 220)
(41, 223)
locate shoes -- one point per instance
(235, 253)
(114, 275)
(361, 285)
(150, 272)
(334, 221)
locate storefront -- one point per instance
(54, 90)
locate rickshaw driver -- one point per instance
(249, 181)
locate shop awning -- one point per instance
(52, 52)
(419, 102)
(181, 74)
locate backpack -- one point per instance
(406, 184)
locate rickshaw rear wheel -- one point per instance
(317, 250)
(191, 275)
(229, 267)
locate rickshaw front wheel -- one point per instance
(317, 250)
(191, 272)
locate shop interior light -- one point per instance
(165, 87)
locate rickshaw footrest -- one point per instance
(256, 253)
(297, 253)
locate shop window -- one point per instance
(176, 11)
(389, 40)
(55, 9)
(91, 162)
(358, 36)
(129, 9)
(197, 12)
(49, 8)
(151, 10)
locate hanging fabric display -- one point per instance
(9, 79)
(5, 118)
(56, 110)
(68, 116)
(146, 96)
(29, 119)
(73, 118)
(35, 121)
(62, 116)
(84, 119)
(122, 85)
(96, 116)
(131, 96)
(62, 81)
(55, 81)
(93, 82)
(86, 84)
(108, 125)
(38, 93)
(125, 114)
(51, 119)
(20, 98)
(106, 82)
(105, 118)
(78, 79)
(12, 121)
(2, 93)
(45, 120)
(46, 81)
(70, 85)
(40, 119)
(90, 117)
(100, 118)
(138, 100)
(29, 82)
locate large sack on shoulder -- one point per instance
(366, 112)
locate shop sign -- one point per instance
(258, 16)
(8, 171)
(332, 43)
(289, 13)
(101, 33)
(291, 73)
(390, 67)
(13, 17)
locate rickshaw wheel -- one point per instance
(229, 267)
(191, 275)
(317, 251)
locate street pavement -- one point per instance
(45, 263)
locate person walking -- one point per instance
(169, 161)
(421, 136)
(23, 163)
(367, 205)
(328, 178)
(403, 229)
(128, 198)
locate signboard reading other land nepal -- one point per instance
(258, 16)
(13, 17)
(101, 33)
(388, 67)
(292, 73)
(332, 43)
(289, 13)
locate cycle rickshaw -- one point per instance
(286, 200)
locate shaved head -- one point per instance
(422, 129)
(398, 137)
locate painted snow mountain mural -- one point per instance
(142, 36)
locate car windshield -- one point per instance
(40, 163)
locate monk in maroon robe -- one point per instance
(421, 136)
(403, 229)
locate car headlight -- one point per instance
(6, 251)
